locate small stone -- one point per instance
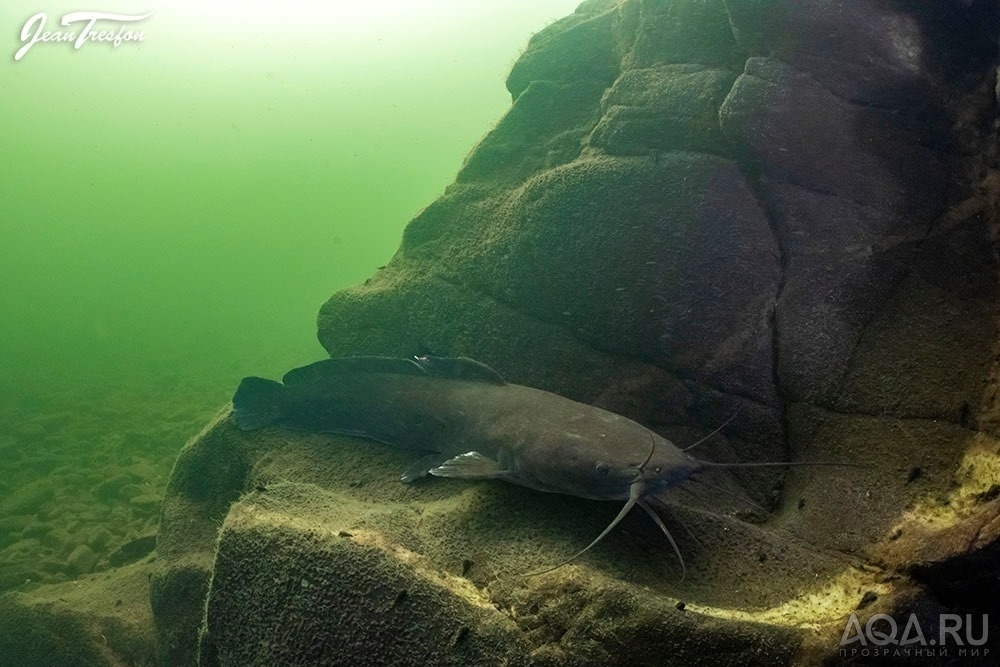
(867, 599)
(52, 513)
(56, 539)
(110, 488)
(56, 420)
(74, 479)
(133, 550)
(51, 566)
(21, 550)
(82, 559)
(10, 578)
(36, 529)
(129, 491)
(15, 524)
(99, 539)
(142, 470)
(31, 432)
(29, 498)
(146, 500)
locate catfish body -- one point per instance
(476, 426)
(469, 423)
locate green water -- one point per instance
(173, 213)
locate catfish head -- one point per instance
(638, 464)
(592, 454)
(621, 460)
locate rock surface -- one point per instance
(789, 208)
(432, 573)
(101, 621)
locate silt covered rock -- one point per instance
(785, 211)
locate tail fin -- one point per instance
(259, 403)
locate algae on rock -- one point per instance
(692, 208)
(781, 209)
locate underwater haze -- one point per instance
(174, 211)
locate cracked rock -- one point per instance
(785, 210)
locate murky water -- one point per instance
(174, 211)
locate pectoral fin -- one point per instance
(470, 465)
(422, 466)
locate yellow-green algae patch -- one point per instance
(418, 564)
(943, 524)
(833, 600)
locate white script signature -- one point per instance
(34, 30)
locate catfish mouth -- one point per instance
(664, 478)
(636, 496)
(668, 474)
(641, 486)
(617, 488)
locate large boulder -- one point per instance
(784, 210)
(102, 620)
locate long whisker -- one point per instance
(659, 524)
(687, 530)
(652, 448)
(635, 493)
(718, 428)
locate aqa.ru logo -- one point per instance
(881, 637)
(34, 30)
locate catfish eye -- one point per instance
(657, 469)
(602, 469)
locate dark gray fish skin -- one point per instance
(479, 426)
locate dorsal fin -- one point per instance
(351, 366)
(458, 368)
